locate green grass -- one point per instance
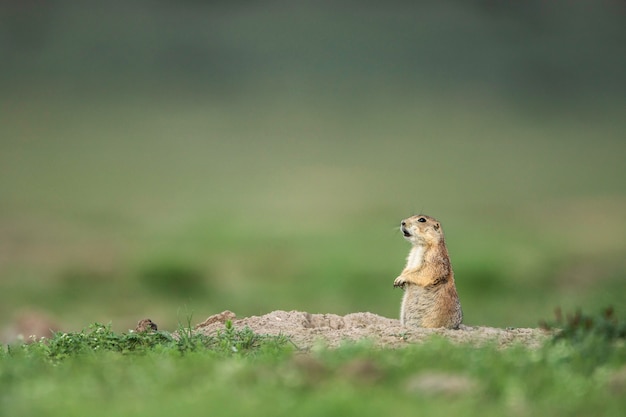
(100, 372)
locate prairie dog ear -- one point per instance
(436, 226)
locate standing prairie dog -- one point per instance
(430, 298)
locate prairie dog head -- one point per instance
(422, 230)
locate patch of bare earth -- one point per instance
(306, 330)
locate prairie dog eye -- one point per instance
(421, 220)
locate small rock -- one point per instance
(146, 325)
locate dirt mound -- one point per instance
(307, 330)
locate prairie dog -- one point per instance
(430, 298)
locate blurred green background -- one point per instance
(165, 159)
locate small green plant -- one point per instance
(229, 340)
(578, 326)
(587, 341)
(237, 340)
(100, 338)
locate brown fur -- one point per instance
(430, 297)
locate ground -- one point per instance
(307, 330)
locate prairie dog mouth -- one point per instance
(405, 232)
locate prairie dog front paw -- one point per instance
(399, 282)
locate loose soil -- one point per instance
(307, 330)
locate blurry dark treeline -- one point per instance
(557, 50)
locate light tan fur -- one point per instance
(430, 297)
